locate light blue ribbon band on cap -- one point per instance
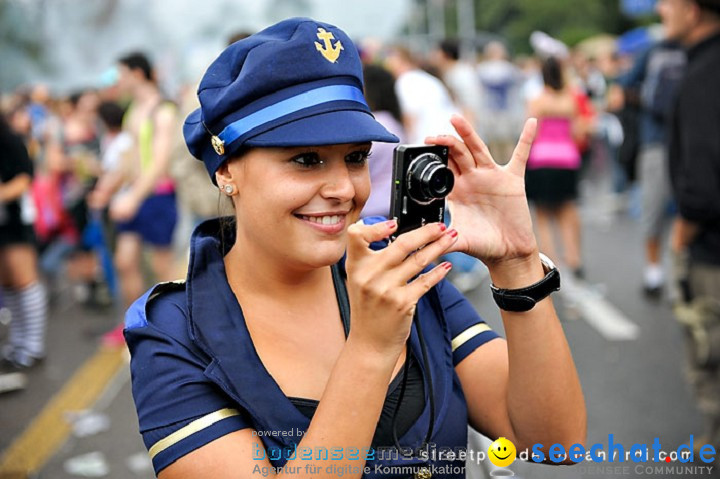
(290, 105)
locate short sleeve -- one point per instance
(467, 329)
(179, 409)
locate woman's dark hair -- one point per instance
(138, 61)
(5, 129)
(6, 116)
(552, 74)
(74, 97)
(111, 115)
(451, 48)
(380, 91)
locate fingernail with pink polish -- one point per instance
(452, 233)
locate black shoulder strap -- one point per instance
(342, 297)
(344, 302)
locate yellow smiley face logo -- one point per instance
(502, 452)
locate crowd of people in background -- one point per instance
(110, 174)
(97, 182)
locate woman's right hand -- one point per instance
(382, 296)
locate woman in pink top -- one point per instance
(552, 169)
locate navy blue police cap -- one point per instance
(296, 83)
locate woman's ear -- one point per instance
(223, 175)
(227, 178)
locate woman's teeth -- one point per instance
(324, 220)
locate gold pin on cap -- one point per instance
(218, 145)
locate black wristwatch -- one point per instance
(524, 299)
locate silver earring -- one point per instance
(229, 189)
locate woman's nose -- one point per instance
(339, 182)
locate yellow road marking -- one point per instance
(44, 436)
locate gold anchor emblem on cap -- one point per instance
(330, 52)
(218, 145)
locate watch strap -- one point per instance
(524, 299)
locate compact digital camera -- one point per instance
(421, 181)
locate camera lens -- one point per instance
(440, 182)
(429, 179)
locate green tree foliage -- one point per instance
(569, 20)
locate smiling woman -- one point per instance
(296, 202)
(299, 321)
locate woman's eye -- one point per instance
(307, 159)
(358, 157)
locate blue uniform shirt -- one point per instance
(196, 375)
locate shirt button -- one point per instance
(423, 473)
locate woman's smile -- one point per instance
(326, 222)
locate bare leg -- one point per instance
(19, 266)
(162, 264)
(543, 217)
(82, 266)
(569, 223)
(652, 250)
(127, 261)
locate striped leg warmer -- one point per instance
(28, 325)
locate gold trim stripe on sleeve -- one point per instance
(196, 426)
(468, 334)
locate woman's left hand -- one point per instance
(488, 203)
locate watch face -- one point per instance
(547, 262)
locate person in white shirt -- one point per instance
(460, 77)
(424, 100)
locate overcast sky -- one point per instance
(184, 36)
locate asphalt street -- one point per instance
(628, 350)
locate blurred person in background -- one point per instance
(381, 98)
(23, 293)
(425, 101)
(72, 164)
(502, 110)
(625, 105)
(427, 106)
(115, 143)
(553, 166)
(588, 77)
(115, 146)
(654, 79)
(39, 110)
(694, 158)
(460, 78)
(610, 128)
(372, 50)
(531, 69)
(144, 209)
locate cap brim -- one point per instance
(329, 128)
